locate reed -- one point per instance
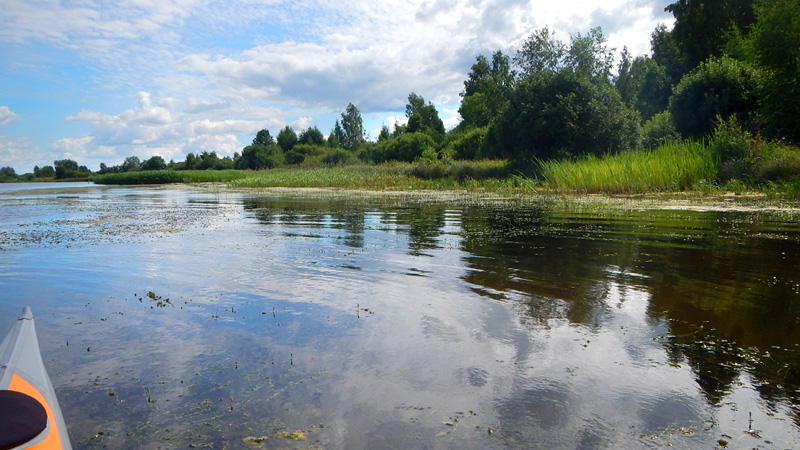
(670, 167)
(170, 176)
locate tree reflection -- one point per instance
(729, 294)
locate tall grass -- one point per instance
(389, 176)
(170, 176)
(672, 166)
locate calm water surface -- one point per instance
(179, 317)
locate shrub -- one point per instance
(338, 157)
(719, 87)
(659, 130)
(468, 145)
(406, 147)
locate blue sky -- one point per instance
(97, 81)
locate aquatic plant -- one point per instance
(672, 166)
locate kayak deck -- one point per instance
(27, 397)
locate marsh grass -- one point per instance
(171, 176)
(390, 176)
(670, 167)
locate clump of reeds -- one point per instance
(672, 166)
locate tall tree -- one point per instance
(424, 118)
(154, 163)
(561, 116)
(643, 84)
(311, 136)
(131, 163)
(702, 27)
(540, 53)
(589, 56)
(287, 138)
(667, 54)
(352, 128)
(264, 139)
(775, 49)
(486, 90)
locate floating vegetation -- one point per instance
(159, 301)
(258, 442)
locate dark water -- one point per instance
(172, 318)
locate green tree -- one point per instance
(225, 163)
(540, 54)
(311, 136)
(703, 27)
(287, 138)
(131, 163)
(258, 157)
(7, 173)
(191, 162)
(643, 84)
(333, 137)
(721, 87)
(667, 54)
(67, 168)
(263, 138)
(206, 160)
(352, 128)
(486, 90)
(563, 115)
(424, 118)
(154, 163)
(775, 48)
(385, 133)
(588, 55)
(44, 172)
(406, 147)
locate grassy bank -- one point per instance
(684, 166)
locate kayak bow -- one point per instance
(30, 417)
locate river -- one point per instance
(175, 317)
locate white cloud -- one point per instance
(161, 127)
(21, 153)
(209, 72)
(7, 116)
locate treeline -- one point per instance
(727, 72)
(64, 169)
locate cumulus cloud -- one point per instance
(163, 128)
(20, 152)
(7, 116)
(208, 73)
(383, 52)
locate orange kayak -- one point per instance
(30, 417)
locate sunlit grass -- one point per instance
(458, 176)
(671, 167)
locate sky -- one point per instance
(97, 81)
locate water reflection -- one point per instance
(374, 322)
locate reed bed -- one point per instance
(380, 177)
(171, 176)
(671, 167)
